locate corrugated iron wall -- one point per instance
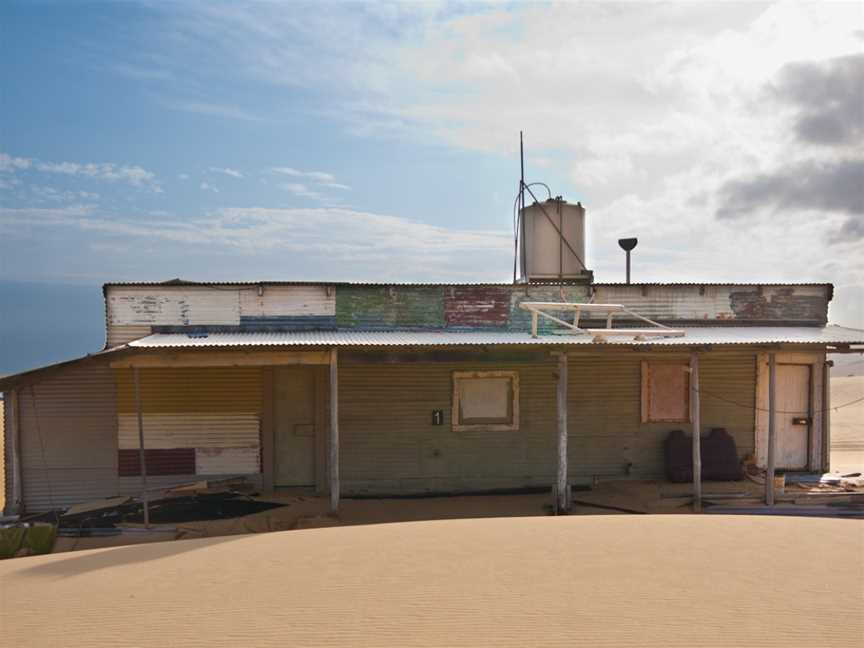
(390, 445)
(69, 438)
(607, 437)
(121, 334)
(197, 421)
(694, 303)
(133, 311)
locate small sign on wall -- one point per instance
(438, 417)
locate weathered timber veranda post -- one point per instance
(696, 420)
(136, 378)
(334, 431)
(772, 424)
(562, 503)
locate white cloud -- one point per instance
(183, 176)
(345, 236)
(317, 176)
(300, 190)
(320, 179)
(9, 163)
(106, 171)
(226, 171)
(205, 186)
(42, 193)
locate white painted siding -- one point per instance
(190, 430)
(227, 461)
(287, 301)
(173, 306)
(671, 302)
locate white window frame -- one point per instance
(512, 426)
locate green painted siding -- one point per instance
(365, 307)
(389, 444)
(604, 413)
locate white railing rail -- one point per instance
(540, 309)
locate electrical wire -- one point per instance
(764, 409)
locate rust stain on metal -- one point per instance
(476, 306)
(781, 303)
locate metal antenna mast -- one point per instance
(521, 203)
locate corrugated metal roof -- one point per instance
(183, 282)
(697, 336)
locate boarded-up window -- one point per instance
(485, 400)
(665, 392)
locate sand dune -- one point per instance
(591, 581)
(847, 425)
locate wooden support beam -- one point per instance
(334, 431)
(696, 418)
(136, 379)
(14, 496)
(563, 501)
(826, 416)
(772, 432)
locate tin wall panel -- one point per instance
(221, 461)
(190, 430)
(173, 306)
(390, 445)
(476, 306)
(402, 307)
(69, 437)
(604, 411)
(121, 334)
(279, 301)
(234, 390)
(4, 487)
(795, 304)
(160, 461)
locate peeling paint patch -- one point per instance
(400, 307)
(476, 307)
(779, 304)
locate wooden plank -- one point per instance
(772, 436)
(696, 416)
(563, 504)
(222, 359)
(334, 431)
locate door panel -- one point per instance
(793, 416)
(294, 402)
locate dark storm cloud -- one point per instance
(829, 96)
(832, 187)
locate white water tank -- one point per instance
(553, 240)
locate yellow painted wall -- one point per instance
(192, 390)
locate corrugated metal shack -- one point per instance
(395, 389)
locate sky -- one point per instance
(379, 141)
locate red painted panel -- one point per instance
(476, 306)
(168, 461)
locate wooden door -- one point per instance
(794, 418)
(294, 402)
